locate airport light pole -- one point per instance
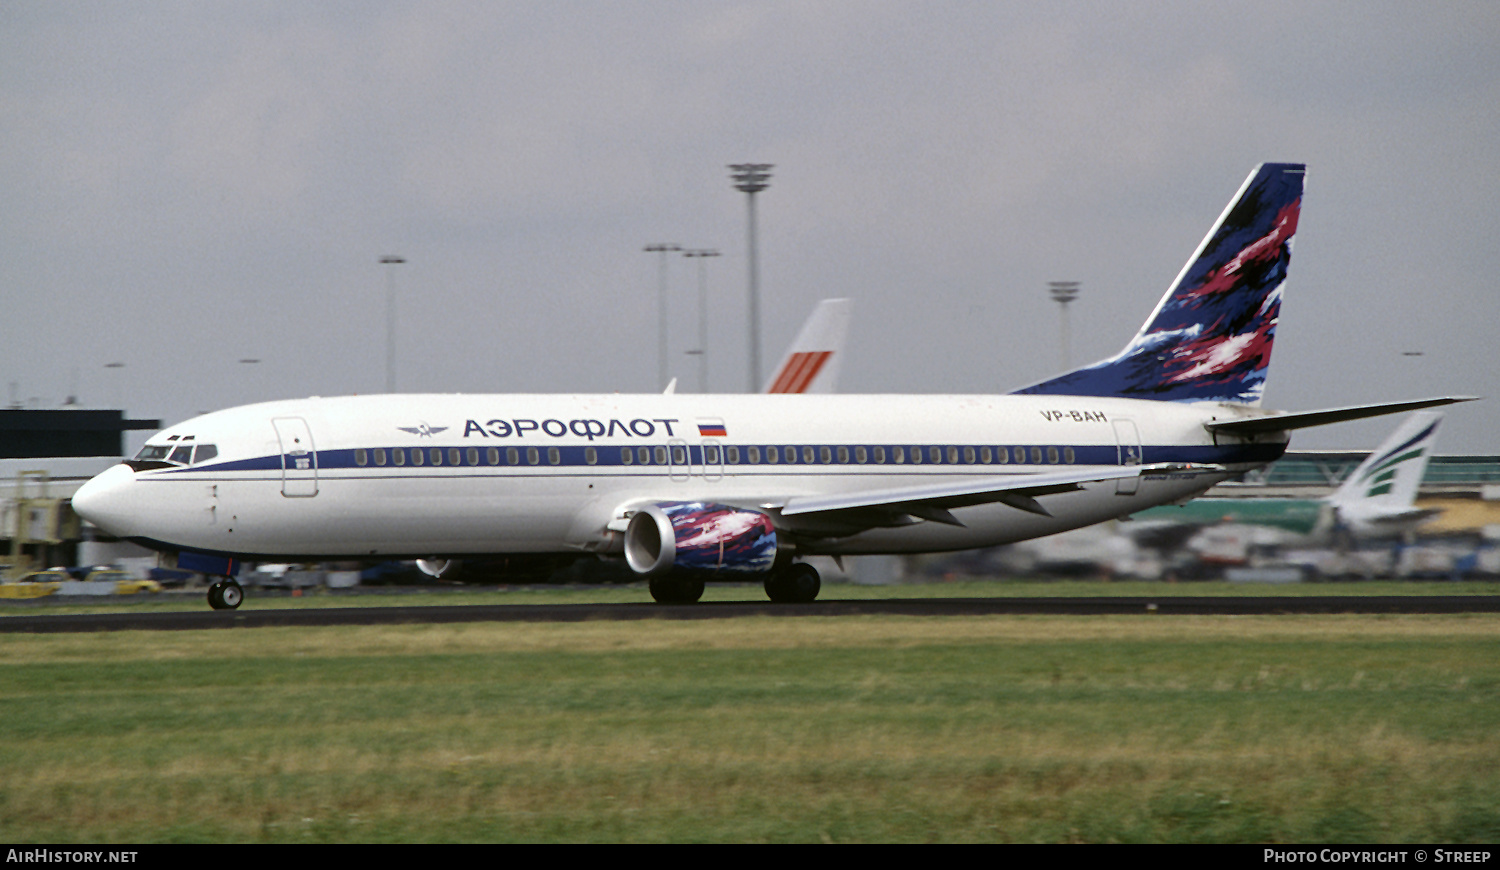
(662, 248)
(252, 361)
(750, 179)
(119, 383)
(390, 320)
(1062, 293)
(702, 255)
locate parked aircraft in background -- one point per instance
(695, 487)
(811, 364)
(1377, 501)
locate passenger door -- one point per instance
(299, 458)
(1128, 447)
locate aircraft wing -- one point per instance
(1279, 422)
(934, 502)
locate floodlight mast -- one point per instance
(750, 179)
(701, 256)
(662, 248)
(1062, 293)
(390, 320)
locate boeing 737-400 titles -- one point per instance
(688, 488)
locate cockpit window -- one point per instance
(164, 455)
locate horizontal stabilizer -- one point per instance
(1307, 419)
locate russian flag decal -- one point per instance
(714, 429)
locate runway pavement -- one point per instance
(1171, 605)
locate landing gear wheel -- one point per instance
(796, 584)
(672, 589)
(225, 595)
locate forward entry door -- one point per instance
(299, 459)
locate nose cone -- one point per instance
(106, 500)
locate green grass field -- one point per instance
(870, 729)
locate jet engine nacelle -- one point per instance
(699, 537)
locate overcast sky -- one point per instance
(186, 185)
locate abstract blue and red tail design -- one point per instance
(1210, 337)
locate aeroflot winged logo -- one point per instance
(423, 430)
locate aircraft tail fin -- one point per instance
(1387, 480)
(811, 364)
(1210, 337)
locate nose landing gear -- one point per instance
(225, 594)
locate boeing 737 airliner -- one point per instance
(695, 487)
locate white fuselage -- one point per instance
(390, 476)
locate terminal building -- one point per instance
(45, 456)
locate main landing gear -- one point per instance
(676, 588)
(225, 594)
(797, 583)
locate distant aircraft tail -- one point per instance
(1386, 482)
(811, 364)
(1210, 337)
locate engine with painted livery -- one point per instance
(699, 537)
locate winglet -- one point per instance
(811, 364)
